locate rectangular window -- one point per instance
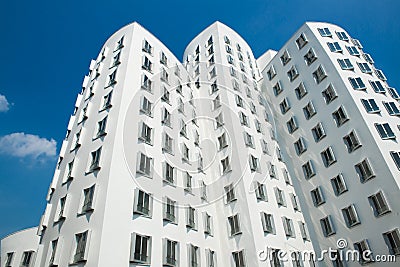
(95, 164)
(163, 59)
(52, 261)
(284, 106)
(272, 170)
(380, 75)
(193, 255)
(167, 143)
(319, 74)
(310, 57)
(357, 83)
(271, 73)
(88, 194)
(288, 226)
(392, 108)
(301, 41)
(342, 36)
(364, 67)
(191, 219)
(147, 47)
(254, 164)
(143, 202)
(170, 210)
(277, 88)
(81, 240)
(361, 247)
(340, 116)
(300, 91)
(292, 73)
(230, 193)
(325, 32)
(183, 129)
(351, 141)
(385, 131)
(353, 50)
(338, 184)
(238, 258)
(234, 225)
(300, 146)
(140, 249)
(101, 129)
(107, 100)
(393, 93)
(243, 119)
(292, 125)
(280, 197)
(329, 94)
(396, 157)
(171, 249)
(226, 166)
(248, 140)
(239, 101)
(112, 78)
(392, 239)
(303, 230)
(317, 196)
(368, 58)
(345, 64)
(350, 216)
(144, 165)
(379, 204)
(145, 133)
(356, 43)
(260, 191)
(147, 64)
(285, 58)
(169, 173)
(370, 105)
(308, 169)
(364, 170)
(328, 157)
(318, 132)
(309, 110)
(222, 141)
(334, 47)
(27, 257)
(146, 106)
(207, 223)
(327, 226)
(377, 86)
(295, 202)
(267, 221)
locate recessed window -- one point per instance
(183, 131)
(81, 241)
(268, 224)
(353, 50)
(140, 249)
(317, 196)
(396, 157)
(171, 255)
(310, 57)
(272, 170)
(9, 259)
(342, 36)
(357, 43)
(234, 225)
(292, 125)
(207, 224)
(319, 75)
(301, 41)
(280, 197)
(377, 86)
(271, 73)
(193, 255)
(95, 163)
(300, 146)
(392, 108)
(327, 226)
(364, 67)
(260, 191)
(163, 59)
(340, 116)
(308, 169)
(325, 32)
(226, 166)
(288, 227)
(293, 73)
(368, 58)
(362, 247)
(392, 239)
(285, 58)
(370, 105)
(351, 141)
(243, 119)
(264, 147)
(143, 203)
(120, 44)
(248, 139)
(239, 101)
(238, 258)
(88, 194)
(345, 64)
(145, 133)
(107, 100)
(300, 91)
(295, 202)
(284, 106)
(380, 75)
(144, 165)
(166, 117)
(230, 193)
(191, 217)
(328, 157)
(364, 170)
(338, 184)
(329, 94)
(27, 257)
(357, 83)
(385, 131)
(350, 216)
(277, 88)
(379, 204)
(334, 47)
(318, 132)
(170, 210)
(147, 47)
(147, 64)
(222, 141)
(254, 164)
(219, 120)
(309, 110)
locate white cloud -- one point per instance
(4, 105)
(27, 145)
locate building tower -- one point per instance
(337, 118)
(168, 164)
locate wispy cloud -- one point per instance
(4, 105)
(27, 145)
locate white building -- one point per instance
(178, 164)
(337, 119)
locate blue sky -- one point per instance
(46, 47)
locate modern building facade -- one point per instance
(170, 163)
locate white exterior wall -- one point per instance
(373, 147)
(18, 243)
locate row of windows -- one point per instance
(27, 259)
